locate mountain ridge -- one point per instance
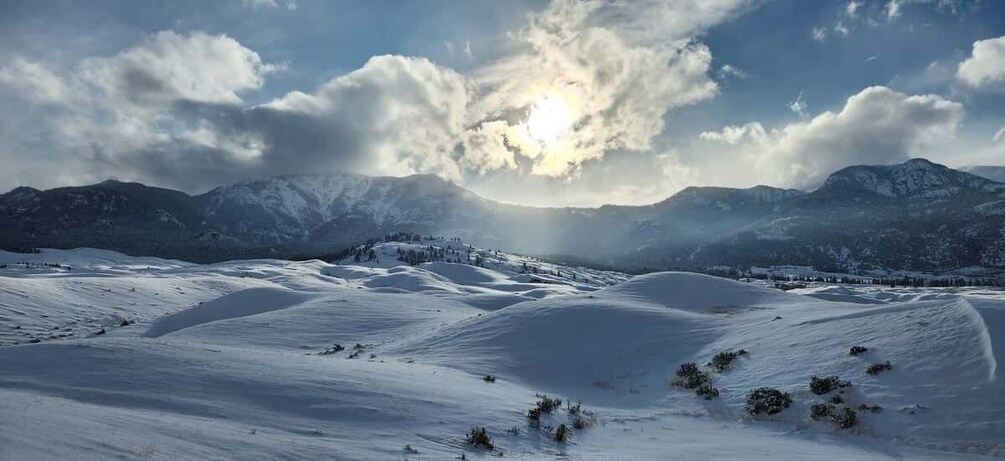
(864, 215)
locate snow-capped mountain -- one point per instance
(334, 208)
(914, 179)
(915, 215)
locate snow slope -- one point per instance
(237, 360)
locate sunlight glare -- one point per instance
(548, 119)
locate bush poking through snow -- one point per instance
(846, 418)
(410, 450)
(514, 431)
(544, 405)
(821, 386)
(836, 399)
(547, 404)
(872, 408)
(584, 421)
(722, 360)
(690, 377)
(820, 410)
(561, 434)
(478, 437)
(706, 392)
(489, 378)
(858, 350)
(332, 350)
(767, 400)
(573, 409)
(875, 368)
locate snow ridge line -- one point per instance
(984, 336)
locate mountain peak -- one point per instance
(916, 177)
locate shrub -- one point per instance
(690, 377)
(707, 392)
(856, 350)
(836, 399)
(845, 418)
(819, 410)
(489, 379)
(687, 369)
(821, 386)
(548, 405)
(583, 421)
(332, 350)
(875, 368)
(722, 360)
(767, 400)
(478, 437)
(514, 430)
(544, 405)
(872, 408)
(410, 450)
(534, 415)
(573, 409)
(561, 434)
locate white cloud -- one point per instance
(986, 65)
(877, 125)
(619, 66)
(34, 81)
(256, 4)
(168, 67)
(893, 9)
(406, 115)
(172, 110)
(999, 135)
(109, 110)
(851, 8)
(819, 34)
(730, 71)
(840, 28)
(798, 106)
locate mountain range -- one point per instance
(917, 215)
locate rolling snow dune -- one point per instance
(138, 358)
(239, 304)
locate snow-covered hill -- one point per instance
(109, 356)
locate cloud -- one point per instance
(405, 115)
(171, 110)
(841, 29)
(618, 66)
(999, 135)
(34, 81)
(893, 9)
(875, 126)
(851, 8)
(256, 4)
(110, 112)
(986, 64)
(798, 106)
(819, 34)
(728, 71)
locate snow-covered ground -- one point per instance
(237, 360)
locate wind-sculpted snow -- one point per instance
(117, 357)
(240, 304)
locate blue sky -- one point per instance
(544, 103)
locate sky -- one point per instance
(564, 103)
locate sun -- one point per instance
(548, 119)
